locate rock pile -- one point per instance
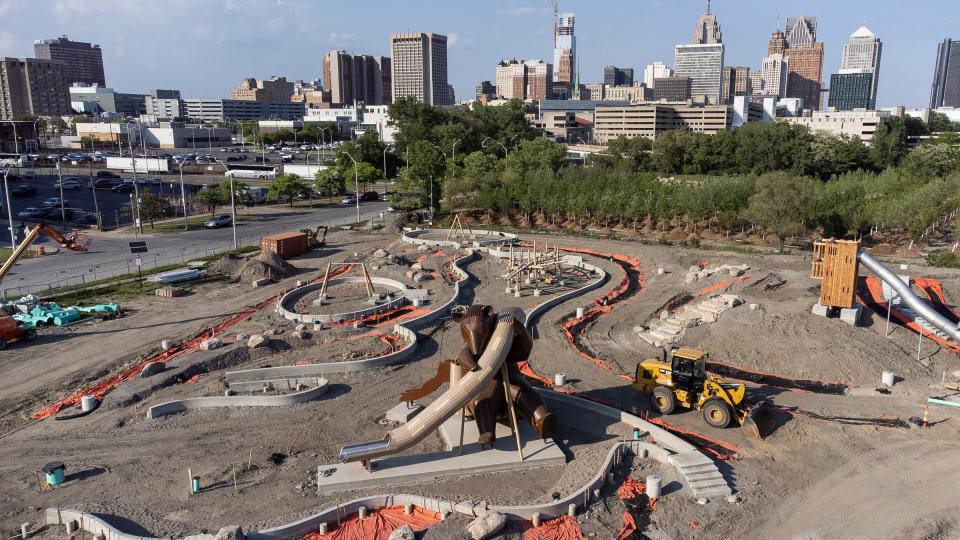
(695, 273)
(249, 269)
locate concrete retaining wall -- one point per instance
(288, 303)
(286, 400)
(497, 237)
(89, 523)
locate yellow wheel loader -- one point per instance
(681, 378)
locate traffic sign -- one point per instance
(138, 246)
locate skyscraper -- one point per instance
(656, 70)
(531, 79)
(861, 55)
(852, 89)
(736, 82)
(774, 76)
(702, 61)
(945, 90)
(269, 90)
(356, 78)
(419, 68)
(804, 55)
(33, 86)
(564, 50)
(707, 30)
(83, 62)
(614, 76)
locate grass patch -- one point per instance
(943, 259)
(194, 223)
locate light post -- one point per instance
(454, 156)
(63, 211)
(322, 130)
(356, 178)
(233, 206)
(483, 144)
(209, 140)
(183, 197)
(6, 189)
(385, 148)
(93, 188)
(137, 224)
(16, 144)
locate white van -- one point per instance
(260, 174)
(258, 194)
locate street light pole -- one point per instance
(16, 144)
(183, 198)
(137, 224)
(93, 188)
(233, 206)
(6, 189)
(356, 178)
(385, 148)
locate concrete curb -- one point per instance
(91, 524)
(287, 400)
(411, 237)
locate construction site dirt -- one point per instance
(836, 445)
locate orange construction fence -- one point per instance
(378, 524)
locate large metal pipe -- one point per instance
(913, 301)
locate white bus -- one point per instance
(260, 172)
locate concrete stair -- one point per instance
(701, 474)
(923, 323)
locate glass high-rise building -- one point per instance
(861, 55)
(945, 90)
(852, 89)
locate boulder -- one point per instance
(486, 525)
(210, 344)
(465, 507)
(690, 277)
(257, 340)
(380, 253)
(232, 532)
(403, 532)
(420, 277)
(262, 282)
(300, 326)
(416, 267)
(301, 334)
(152, 368)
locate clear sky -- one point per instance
(204, 47)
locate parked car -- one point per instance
(123, 188)
(23, 190)
(216, 222)
(103, 183)
(54, 201)
(369, 196)
(68, 183)
(107, 174)
(31, 212)
(349, 199)
(56, 213)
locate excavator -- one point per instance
(314, 238)
(680, 378)
(74, 241)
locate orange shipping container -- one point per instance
(286, 245)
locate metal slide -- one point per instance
(445, 406)
(906, 294)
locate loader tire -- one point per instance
(717, 413)
(663, 400)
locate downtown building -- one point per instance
(564, 50)
(656, 70)
(616, 76)
(233, 110)
(736, 82)
(804, 56)
(527, 80)
(702, 61)
(33, 86)
(419, 68)
(83, 62)
(855, 85)
(273, 89)
(357, 78)
(945, 90)
(652, 119)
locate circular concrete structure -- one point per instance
(476, 238)
(288, 303)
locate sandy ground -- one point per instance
(827, 472)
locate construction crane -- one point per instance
(75, 241)
(556, 10)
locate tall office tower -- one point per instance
(614, 76)
(83, 62)
(656, 70)
(356, 78)
(539, 75)
(703, 64)
(774, 72)
(945, 90)
(510, 80)
(419, 67)
(804, 55)
(564, 50)
(485, 91)
(274, 89)
(861, 55)
(33, 86)
(852, 89)
(736, 82)
(707, 30)
(530, 79)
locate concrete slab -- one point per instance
(403, 413)
(851, 316)
(819, 309)
(423, 468)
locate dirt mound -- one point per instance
(266, 264)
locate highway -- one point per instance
(109, 252)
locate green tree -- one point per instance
(940, 122)
(931, 161)
(635, 149)
(780, 204)
(889, 144)
(241, 194)
(152, 207)
(329, 182)
(212, 198)
(480, 164)
(287, 186)
(534, 155)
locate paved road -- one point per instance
(110, 255)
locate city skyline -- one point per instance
(209, 61)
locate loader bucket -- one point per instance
(758, 422)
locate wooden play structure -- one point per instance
(459, 228)
(326, 278)
(835, 264)
(529, 266)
